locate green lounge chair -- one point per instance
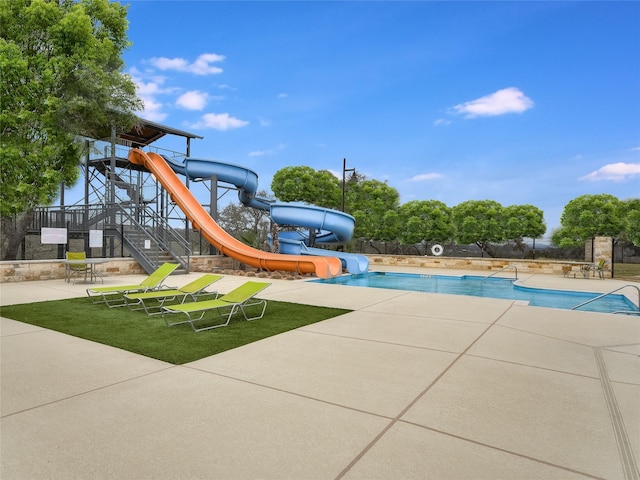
(153, 301)
(226, 306)
(114, 296)
(600, 268)
(76, 269)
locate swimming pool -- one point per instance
(492, 287)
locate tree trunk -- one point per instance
(374, 247)
(274, 239)
(16, 234)
(486, 248)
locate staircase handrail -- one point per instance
(502, 270)
(166, 237)
(69, 215)
(610, 293)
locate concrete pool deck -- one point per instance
(408, 385)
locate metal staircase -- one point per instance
(143, 233)
(123, 201)
(132, 191)
(151, 240)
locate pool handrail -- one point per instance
(501, 270)
(609, 293)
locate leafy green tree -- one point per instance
(631, 220)
(390, 226)
(588, 216)
(370, 202)
(427, 221)
(304, 184)
(62, 78)
(523, 221)
(250, 225)
(480, 222)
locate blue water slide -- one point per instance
(331, 226)
(294, 243)
(198, 168)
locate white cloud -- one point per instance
(149, 91)
(164, 63)
(150, 88)
(442, 122)
(219, 121)
(192, 100)
(507, 100)
(152, 110)
(152, 106)
(283, 95)
(271, 151)
(616, 172)
(201, 66)
(426, 177)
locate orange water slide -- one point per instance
(323, 267)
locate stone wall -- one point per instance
(210, 263)
(600, 248)
(485, 265)
(30, 270)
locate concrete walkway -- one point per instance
(407, 386)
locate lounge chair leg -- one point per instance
(213, 326)
(255, 304)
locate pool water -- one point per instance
(492, 287)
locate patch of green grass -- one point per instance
(149, 335)
(627, 269)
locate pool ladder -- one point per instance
(502, 270)
(625, 312)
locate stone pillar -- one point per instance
(600, 248)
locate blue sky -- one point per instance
(519, 102)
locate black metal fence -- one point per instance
(624, 252)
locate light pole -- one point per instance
(344, 178)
